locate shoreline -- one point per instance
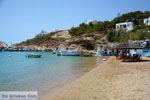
(44, 95)
(69, 81)
(111, 80)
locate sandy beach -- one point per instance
(112, 80)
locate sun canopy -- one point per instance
(130, 46)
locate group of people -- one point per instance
(127, 57)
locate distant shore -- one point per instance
(112, 80)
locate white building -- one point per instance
(147, 21)
(127, 26)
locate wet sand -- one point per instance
(112, 80)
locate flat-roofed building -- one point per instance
(147, 21)
(127, 26)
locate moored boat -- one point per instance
(70, 51)
(59, 51)
(33, 56)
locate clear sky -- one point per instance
(23, 19)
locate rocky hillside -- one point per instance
(62, 34)
(47, 40)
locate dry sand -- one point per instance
(112, 80)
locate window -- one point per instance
(118, 27)
(123, 26)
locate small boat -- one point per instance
(59, 51)
(54, 51)
(33, 56)
(71, 51)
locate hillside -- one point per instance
(98, 31)
(50, 39)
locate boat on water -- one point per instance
(70, 51)
(59, 51)
(34, 56)
(54, 51)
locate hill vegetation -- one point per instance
(94, 32)
(140, 31)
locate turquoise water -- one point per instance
(19, 73)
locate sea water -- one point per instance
(20, 73)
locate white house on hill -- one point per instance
(147, 21)
(127, 26)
